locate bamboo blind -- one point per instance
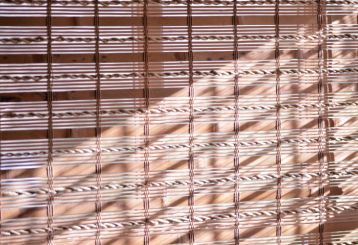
(179, 121)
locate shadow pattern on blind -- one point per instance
(178, 121)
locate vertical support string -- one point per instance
(98, 204)
(1, 173)
(146, 201)
(236, 126)
(278, 120)
(50, 135)
(320, 122)
(191, 123)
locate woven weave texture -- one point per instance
(179, 122)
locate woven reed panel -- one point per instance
(179, 121)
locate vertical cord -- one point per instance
(146, 201)
(1, 173)
(236, 126)
(278, 120)
(320, 121)
(98, 205)
(49, 169)
(191, 124)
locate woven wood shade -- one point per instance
(179, 121)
